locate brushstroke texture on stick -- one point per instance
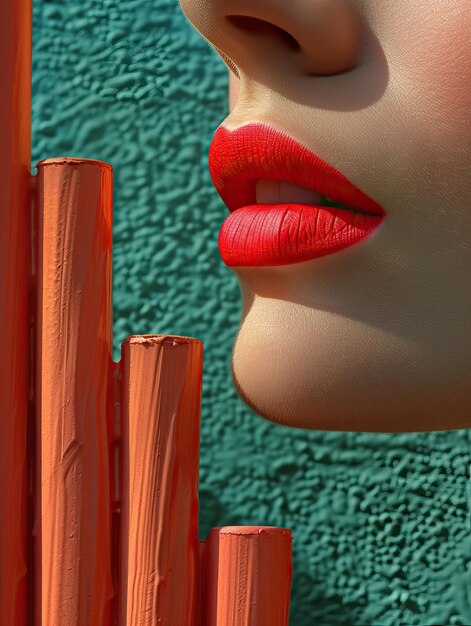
(15, 259)
(74, 328)
(161, 385)
(247, 574)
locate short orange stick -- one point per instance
(15, 259)
(161, 386)
(247, 580)
(73, 575)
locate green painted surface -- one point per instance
(381, 522)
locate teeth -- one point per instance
(269, 191)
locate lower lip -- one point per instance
(282, 234)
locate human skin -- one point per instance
(376, 337)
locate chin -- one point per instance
(310, 369)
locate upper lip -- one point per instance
(238, 158)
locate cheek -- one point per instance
(435, 67)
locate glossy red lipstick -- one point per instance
(281, 234)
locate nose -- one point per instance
(314, 37)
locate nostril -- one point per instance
(256, 25)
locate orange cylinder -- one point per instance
(161, 385)
(200, 587)
(248, 572)
(15, 260)
(73, 577)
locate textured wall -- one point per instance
(381, 522)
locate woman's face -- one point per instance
(376, 336)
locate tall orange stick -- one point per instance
(161, 383)
(15, 258)
(73, 577)
(247, 576)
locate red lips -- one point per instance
(262, 234)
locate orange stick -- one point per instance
(15, 259)
(247, 578)
(161, 384)
(114, 439)
(201, 587)
(73, 575)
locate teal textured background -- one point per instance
(381, 522)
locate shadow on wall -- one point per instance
(213, 513)
(310, 604)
